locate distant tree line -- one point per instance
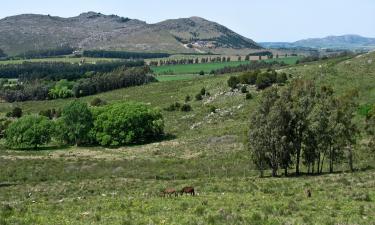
(248, 67)
(42, 89)
(119, 78)
(59, 70)
(123, 54)
(262, 53)
(261, 79)
(80, 125)
(302, 124)
(45, 53)
(190, 61)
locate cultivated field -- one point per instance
(208, 67)
(70, 185)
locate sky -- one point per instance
(260, 20)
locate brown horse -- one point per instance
(187, 190)
(169, 192)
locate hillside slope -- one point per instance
(338, 42)
(97, 31)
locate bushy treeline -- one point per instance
(59, 70)
(123, 54)
(96, 83)
(302, 124)
(247, 67)
(262, 53)
(261, 79)
(184, 61)
(112, 125)
(119, 78)
(46, 53)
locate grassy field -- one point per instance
(207, 67)
(94, 185)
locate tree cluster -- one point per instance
(247, 67)
(42, 89)
(110, 125)
(59, 70)
(302, 124)
(261, 79)
(123, 55)
(46, 53)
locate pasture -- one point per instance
(95, 185)
(208, 67)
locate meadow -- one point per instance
(95, 185)
(208, 67)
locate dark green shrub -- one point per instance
(127, 123)
(244, 89)
(233, 82)
(15, 113)
(186, 108)
(29, 132)
(213, 109)
(187, 98)
(281, 78)
(201, 73)
(203, 91)
(198, 97)
(173, 107)
(248, 96)
(75, 123)
(98, 102)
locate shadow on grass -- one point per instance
(305, 174)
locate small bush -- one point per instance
(244, 89)
(203, 91)
(201, 73)
(187, 98)
(198, 97)
(185, 108)
(213, 109)
(248, 96)
(233, 82)
(98, 102)
(15, 113)
(173, 107)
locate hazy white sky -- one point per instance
(261, 20)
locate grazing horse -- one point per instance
(188, 190)
(169, 192)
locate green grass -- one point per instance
(164, 78)
(94, 185)
(207, 67)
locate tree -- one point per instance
(75, 123)
(233, 81)
(2, 54)
(29, 132)
(263, 135)
(15, 113)
(247, 58)
(127, 123)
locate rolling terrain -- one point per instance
(30, 32)
(206, 150)
(350, 42)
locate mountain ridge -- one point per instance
(347, 41)
(92, 30)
